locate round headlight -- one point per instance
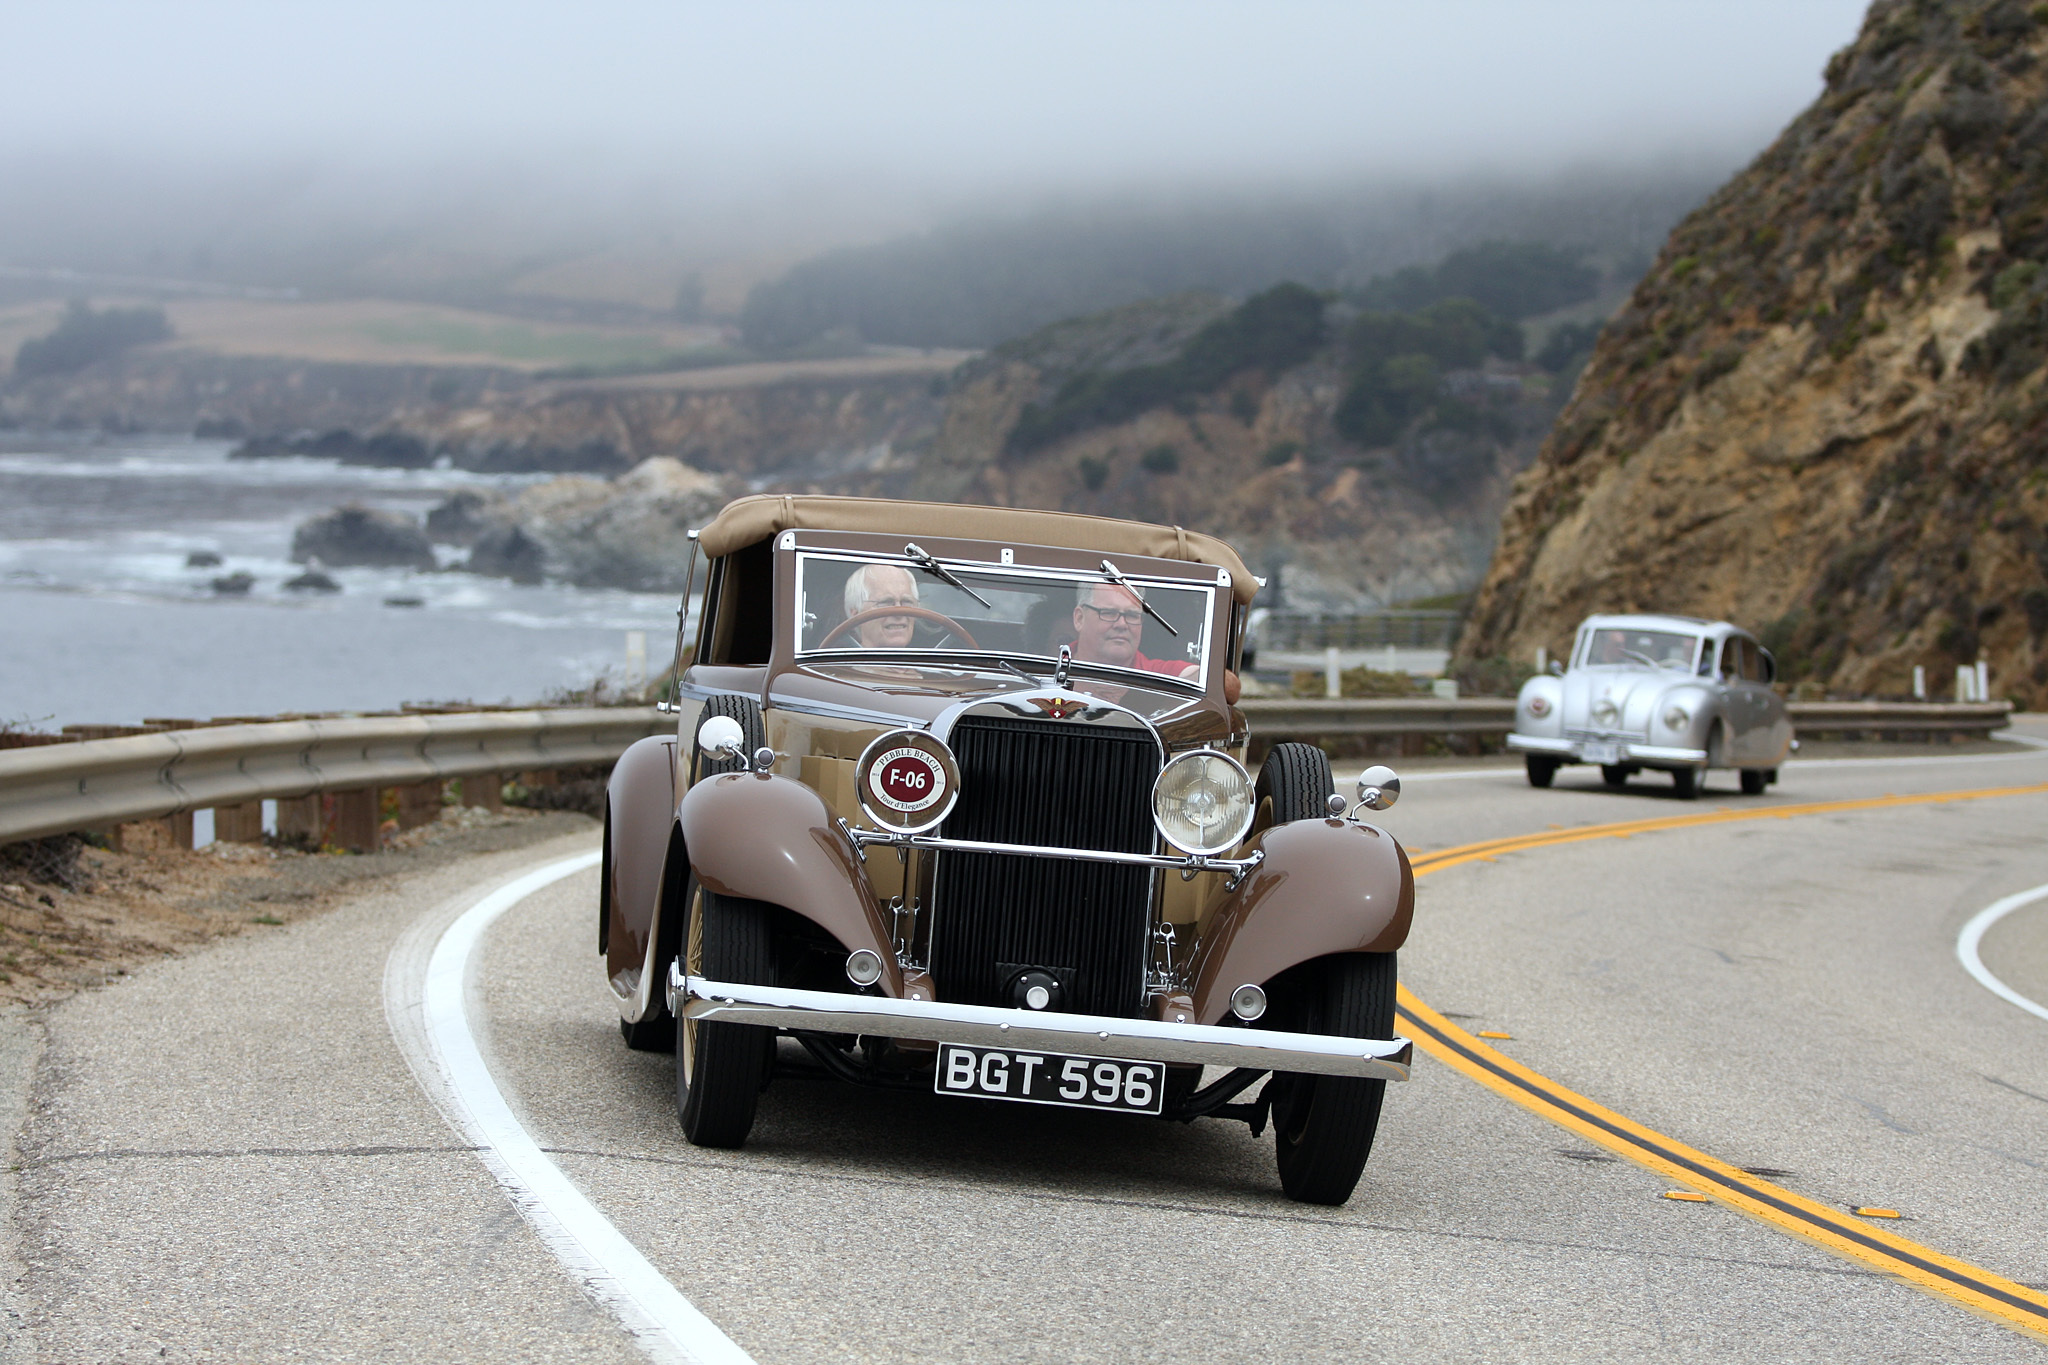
(1539, 706)
(1605, 712)
(906, 781)
(1677, 718)
(1202, 802)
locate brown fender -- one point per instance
(1326, 886)
(768, 838)
(640, 812)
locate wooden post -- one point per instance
(352, 819)
(486, 791)
(154, 836)
(304, 817)
(419, 803)
(241, 824)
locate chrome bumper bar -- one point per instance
(985, 1026)
(1574, 749)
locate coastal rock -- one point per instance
(630, 532)
(358, 535)
(465, 516)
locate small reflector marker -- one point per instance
(1876, 1213)
(1686, 1196)
(1495, 1033)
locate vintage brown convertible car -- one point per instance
(957, 802)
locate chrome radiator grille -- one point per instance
(1056, 783)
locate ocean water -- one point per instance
(102, 622)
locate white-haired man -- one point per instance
(881, 585)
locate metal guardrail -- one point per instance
(103, 782)
(1320, 718)
(97, 783)
(1283, 632)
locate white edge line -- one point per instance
(1892, 761)
(663, 1323)
(1973, 934)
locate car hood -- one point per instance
(1633, 693)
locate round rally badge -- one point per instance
(907, 781)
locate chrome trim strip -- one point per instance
(1186, 862)
(1535, 744)
(1665, 754)
(985, 1026)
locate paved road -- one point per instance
(228, 1156)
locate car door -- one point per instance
(1746, 713)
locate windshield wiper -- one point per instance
(1114, 575)
(923, 559)
(1007, 666)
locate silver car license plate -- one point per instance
(994, 1073)
(1600, 752)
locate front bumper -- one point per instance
(985, 1026)
(1626, 751)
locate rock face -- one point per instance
(1822, 413)
(1255, 458)
(630, 532)
(355, 535)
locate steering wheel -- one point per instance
(926, 614)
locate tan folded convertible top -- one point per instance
(748, 520)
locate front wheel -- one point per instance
(1685, 782)
(1324, 1125)
(721, 1068)
(1294, 784)
(1754, 780)
(1541, 770)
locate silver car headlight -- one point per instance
(1677, 718)
(1202, 802)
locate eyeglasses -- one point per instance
(1130, 616)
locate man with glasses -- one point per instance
(881, 585)
(1108, 619)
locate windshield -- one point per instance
(1655, 648)
(891, 606)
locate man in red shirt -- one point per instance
(1108, 619)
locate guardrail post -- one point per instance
(352, 820)
(303, 817)
(486, 791)
(241, 824)
(419, 803)
(154, 836)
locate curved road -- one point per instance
(229, 1156)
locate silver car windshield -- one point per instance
(875, 606)
(1643, 648)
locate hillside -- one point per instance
(1369, 453)
(1822, 412)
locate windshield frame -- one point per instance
(1633, 660)
(976, 573)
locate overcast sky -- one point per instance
(959, 95)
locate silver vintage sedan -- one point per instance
(1669, 692)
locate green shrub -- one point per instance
(1161, 459)
(1279, 453)
(1093, 472)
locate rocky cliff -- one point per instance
(1822, 413)
(1133, 413)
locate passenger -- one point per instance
(881, 585)
(1108, 619)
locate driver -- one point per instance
(1108, 618)
(881, 585)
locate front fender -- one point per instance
(767, 838)
(640, 811)
(1545, 693)
(1326, 886)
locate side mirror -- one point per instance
(1378, 788)
(1556, 668)
(722, 737)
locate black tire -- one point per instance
(747, 712)
(1294, 784)
(721, 1068)
(1541, 770)
(1614, 775)
(1685, 782)
(1754, 780)
(1323, 1126)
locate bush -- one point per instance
(1272, 331)
(1093, 472)
(1397, 362)
(1513, 279)
(84, 337)
(1279, 453)
(1161, 459)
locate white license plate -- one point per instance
(995, 1073)
(1600, 753)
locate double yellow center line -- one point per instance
(2005, 1301)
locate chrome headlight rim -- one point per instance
(1214, 777)
(906, 781)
